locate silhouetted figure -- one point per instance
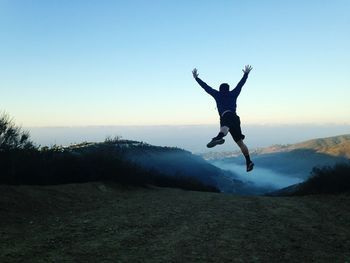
(226, 105)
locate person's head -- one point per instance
(224, 87)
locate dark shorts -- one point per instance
(232, 121)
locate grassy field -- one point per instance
(102, 222)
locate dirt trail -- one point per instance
(99, 222)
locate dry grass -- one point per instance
(98, 222)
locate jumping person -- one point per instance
(226, 105)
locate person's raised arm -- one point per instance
(240, 84)
(204, 85)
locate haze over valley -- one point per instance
(280, 166)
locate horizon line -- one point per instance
(182, 125)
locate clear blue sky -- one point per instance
(65, 62)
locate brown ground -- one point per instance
(98, 222)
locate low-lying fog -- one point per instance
(260, 177)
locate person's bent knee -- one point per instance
(224, 130)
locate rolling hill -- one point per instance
(172, 161)
(338, 146)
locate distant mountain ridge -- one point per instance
(338, 146)
(335, 146)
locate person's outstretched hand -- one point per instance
(247, 69)
(195, 73)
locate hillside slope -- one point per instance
(98, 222)
(338, 146)
(335, 146)
(171, 161)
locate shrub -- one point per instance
(327, 179)
(11, 136)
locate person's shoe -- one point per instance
(250, 166)
(215, 141)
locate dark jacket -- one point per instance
(224, 100)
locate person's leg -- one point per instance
(238, 137)
(223, 132)
(224, 129)
(219, 139)
(245, 152)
